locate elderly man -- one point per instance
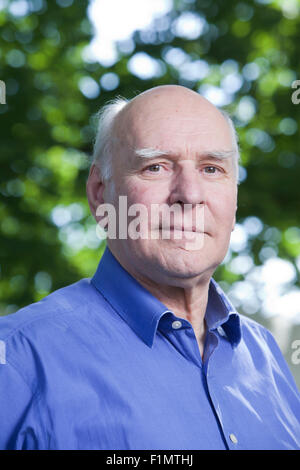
(149, 353)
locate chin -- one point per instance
(181, 269)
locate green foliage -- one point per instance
(250, 48)
(44, 146)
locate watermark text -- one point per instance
(296, 93)
(154, 222)
(2, 352)
(2, 92)
(295, 357)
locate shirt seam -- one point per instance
(20, 328)
(36, 397)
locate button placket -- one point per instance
(230, 438)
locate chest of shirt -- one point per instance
(162, 398)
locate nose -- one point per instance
(187, 186)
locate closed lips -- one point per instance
(181, 228)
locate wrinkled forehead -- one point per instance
(155, 123)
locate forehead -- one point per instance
(174, 126)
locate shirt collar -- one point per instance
(140, 309)
(221, 314)
(143, 312)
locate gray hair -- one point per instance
(103, 146)
(235, 142)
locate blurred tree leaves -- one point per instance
(44, 140)
(245, 54)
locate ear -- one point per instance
(95, 188)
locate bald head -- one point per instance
(169, 96)
(173, 99)
(122, 122)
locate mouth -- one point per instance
(180, 228)
(188, 238)
(183, 234)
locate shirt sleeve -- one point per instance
(282, 369)
(18, 412)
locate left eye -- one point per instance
(210, 169)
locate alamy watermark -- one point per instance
(295, 357)
(154, 222)
(2, 92)
(2, 352)
(296, 93)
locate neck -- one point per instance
(186, 298)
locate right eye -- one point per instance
(153, 168)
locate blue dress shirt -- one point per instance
(102, 364)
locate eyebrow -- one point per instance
(149, 152)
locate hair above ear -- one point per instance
(102, 152)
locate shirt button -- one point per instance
(176, 324)
(221, 331)
(233, 438)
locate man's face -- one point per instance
(188, 133)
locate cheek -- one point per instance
(147, 194)
(223, 207)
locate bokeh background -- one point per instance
(61, 60)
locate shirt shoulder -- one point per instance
(58, 307)
(43, 332)
(255, 334)
(265, 351)
(254, 330)
(250, 325)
